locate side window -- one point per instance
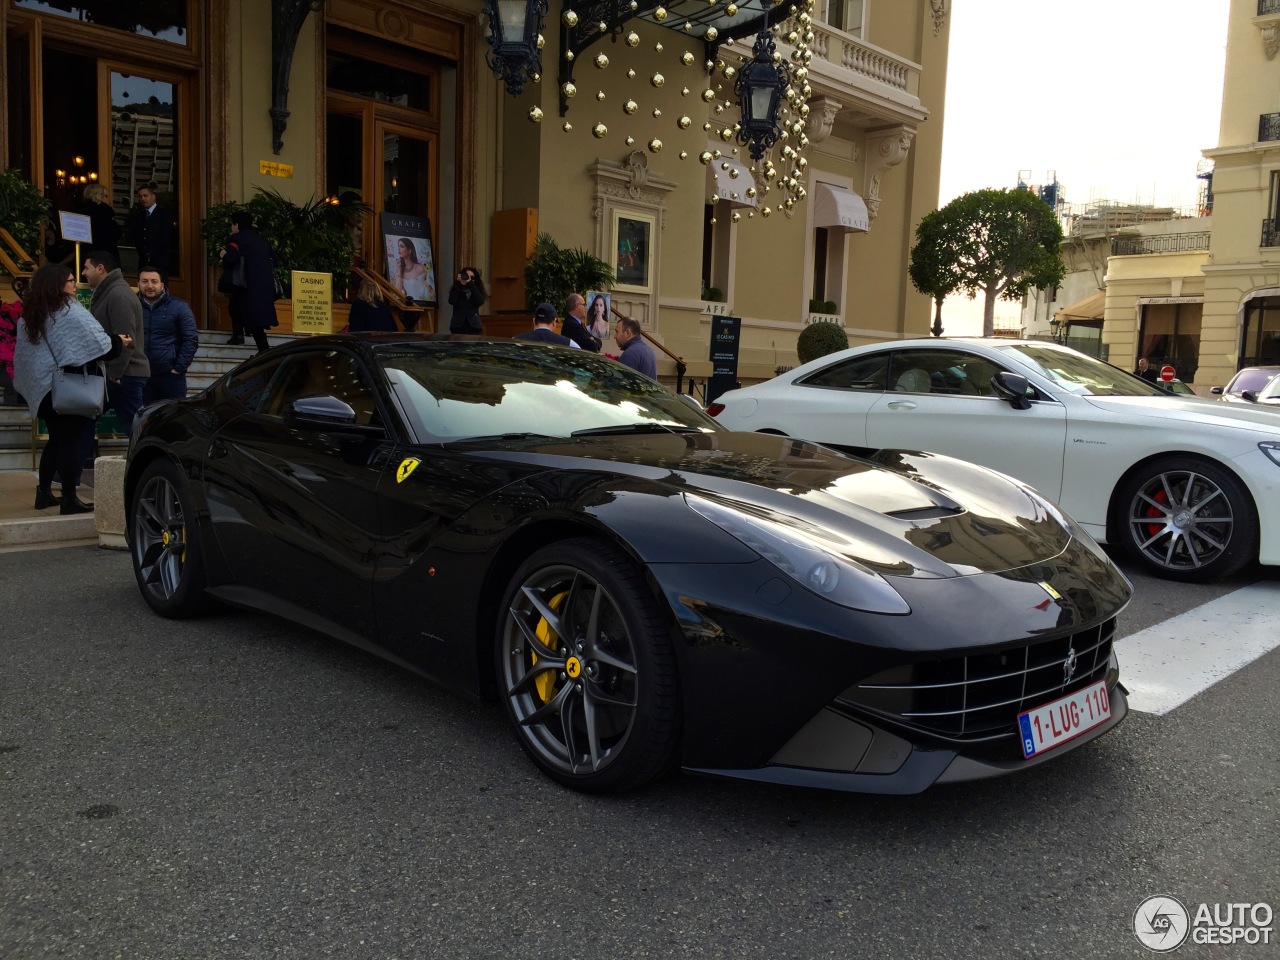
(859, 373)
(248, 384)
(945, 372)
(331, 373)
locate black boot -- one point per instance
(74, 505)
(235, 341)
(45, 498)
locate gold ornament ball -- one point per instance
(566, 126)
(687, 58)
(736, 216)
(713, 219)
(631, 74)
(792, 37)
(684, 123)
(714, 199)
(802, 162)
(542, 41)
(599, 131)
(535, 77)
(733, 173)
(726, 134)
(688, 26)
(656, 113)
(684, 154)
(535, 114)
(719, 109)
(602, 27)
(657, 80)
(660, 14)
(730, 72)
(630, 107)
(751, 192)
(731, 9)
(630, 141)
(711, 34)
(568, 55)
(707, 126)
(569, 18)
(705, 157)
(657, 47)
(601, 61)
(766, 212)
(568, 90)
(708, 95)
(655, 145)
(710, 65)
(600, 95)
(684, 91)
(633, 39)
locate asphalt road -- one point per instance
(238, 787)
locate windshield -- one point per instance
(1079, 373)
(1253, 380)
(1272, 390)
(460, 390)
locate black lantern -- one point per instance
(760, 87)
(515, 33)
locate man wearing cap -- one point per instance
(543, 318)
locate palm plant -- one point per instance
(554, 272)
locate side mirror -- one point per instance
(1012, 388)
(1216, 391)
(1249, 396)
(325, 411)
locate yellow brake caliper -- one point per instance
(546, 683)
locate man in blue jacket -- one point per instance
(171, 337)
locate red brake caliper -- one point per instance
(1160, 497)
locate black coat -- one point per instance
(252, 306)
(370, 316)
(152, 234)
(467, 300)
(106, 232)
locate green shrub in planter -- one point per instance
(713, 295)
(554, 272)
(818, 339)
(23, 211)
(830, 306)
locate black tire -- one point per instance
(164, 542)
(1188, 519)
(586, 669)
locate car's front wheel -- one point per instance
(164, 542)
(1188, 519)
(586, 670)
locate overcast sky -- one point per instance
(1118, 96)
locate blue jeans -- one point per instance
(125, 398)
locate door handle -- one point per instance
(902, 405)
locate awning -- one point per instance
(839, 208)
(1090, 308)
(730, 179)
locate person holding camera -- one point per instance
(466, 296)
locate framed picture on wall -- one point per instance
(410, 260)
(633, 251)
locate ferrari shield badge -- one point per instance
(407, 466)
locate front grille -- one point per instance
(978, 697)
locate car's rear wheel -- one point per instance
(165, 544)
(586, 670)
(1188, 519)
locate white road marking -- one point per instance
(1166, 665)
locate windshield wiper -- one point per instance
(621, 429)
(503, 436)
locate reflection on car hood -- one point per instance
(903, 514)
(1195, 409)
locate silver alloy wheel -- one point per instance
(1181, 520)
(569, 671)
(159, 538)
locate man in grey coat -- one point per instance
(116, 307)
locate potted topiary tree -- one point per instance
(819, 339)
(23, 214)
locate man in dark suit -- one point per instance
(152, 230)
(1146, 371)
(575, 323)
(544, 319)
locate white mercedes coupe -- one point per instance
(1190, 487)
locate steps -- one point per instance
(213, 358)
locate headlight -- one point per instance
(810, 560)
(1272, 449)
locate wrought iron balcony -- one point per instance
(1160, 243)
(1268, 6)
(1270, 233)
(1269, 124)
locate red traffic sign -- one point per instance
(1167, 373)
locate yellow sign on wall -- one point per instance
(272, 169)
(312, 302)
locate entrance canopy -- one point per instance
(1090, 308)
(839, 208)
(730, 179)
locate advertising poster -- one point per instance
(411, 266)
(312, 302)
(726, 334)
